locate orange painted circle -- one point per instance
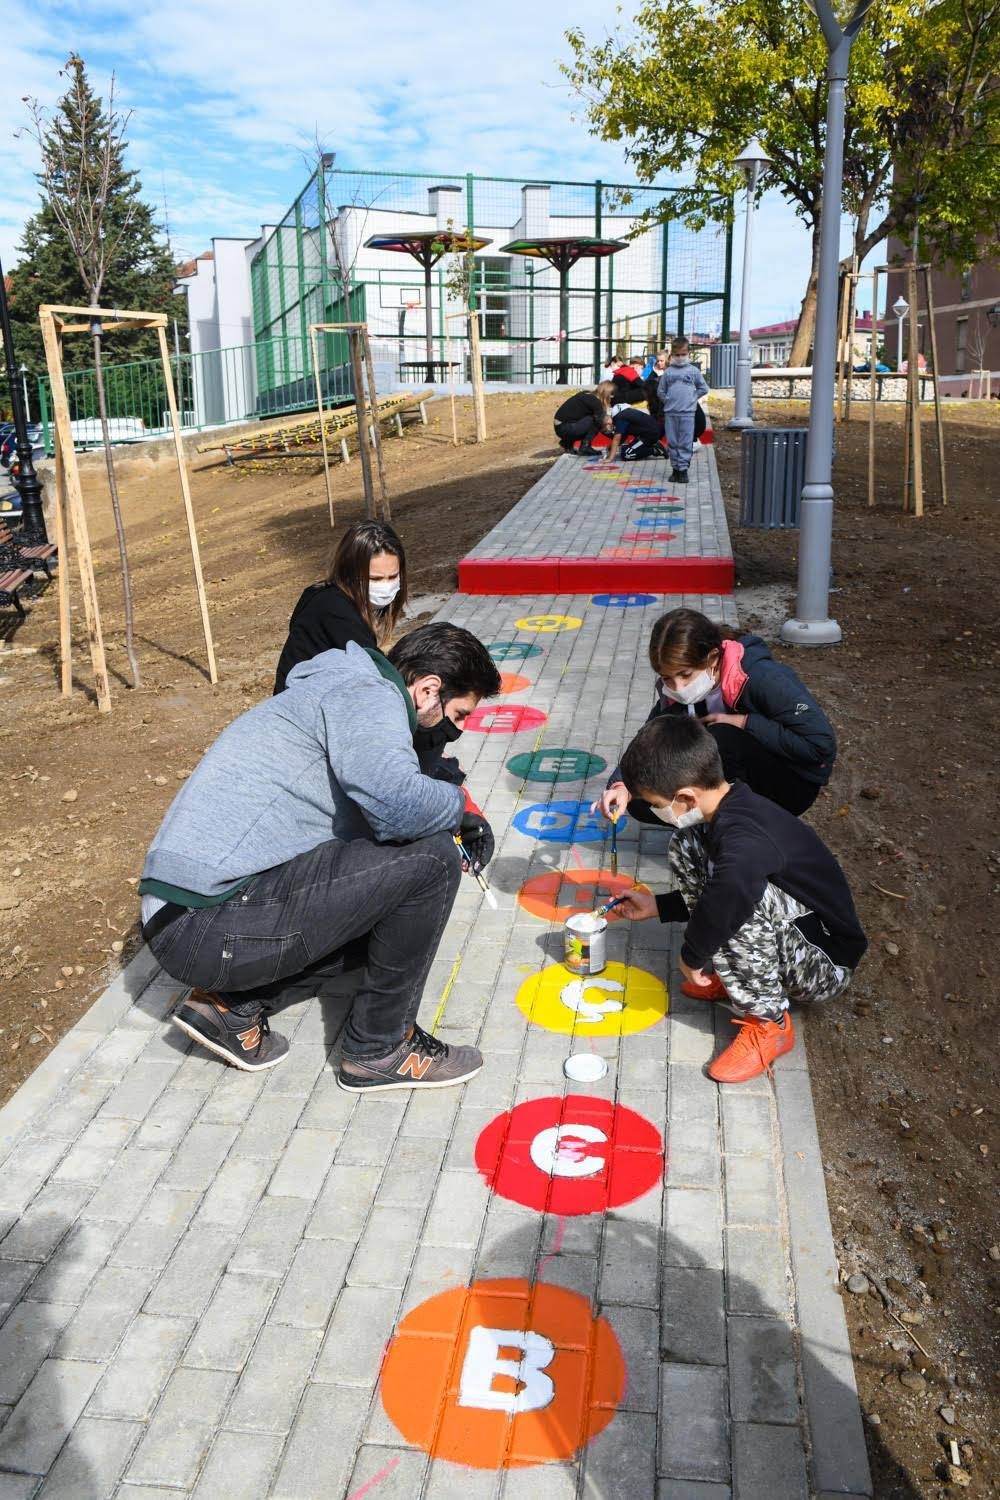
(558, 894)
(454, 1388)
(512, 682)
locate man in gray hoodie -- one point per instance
(306, 827)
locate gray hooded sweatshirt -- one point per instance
(680, 386)
(329, 758)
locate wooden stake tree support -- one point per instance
(475, 371)
(55, 323)
(913, 471)
(366, 409)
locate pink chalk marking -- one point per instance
(575, 856)
(374, 1480)
(560, 1235)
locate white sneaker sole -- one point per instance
(223, 1052)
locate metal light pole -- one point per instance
(24, 389)
(754, 160)
(900, 308)
(28, 486)
(811, 625)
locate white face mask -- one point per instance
(678, 820)
(692, 692)
(383, 592)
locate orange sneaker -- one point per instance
(756, 1046)
(716, 990)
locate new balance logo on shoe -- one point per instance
(249, 1040)
(415, 1066)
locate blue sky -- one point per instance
(227, 97)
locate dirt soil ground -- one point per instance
(904, 1070)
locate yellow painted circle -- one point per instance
(548, 623)
(568, 1003)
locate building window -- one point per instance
(494, 273)
(966, 284)
(961, 333)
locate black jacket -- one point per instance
(323, 619)
(583, 404)
(752, 842)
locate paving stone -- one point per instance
(46, 1414)
(630, 1265)
(320, 1453)
(151, 1241)
(272, 1383)
(14, 1277)
(66, 1277)
(755, 1271)
(509, 1246)
(637, 1329)
(32, 1159)
(181, 1432)
(621, 1460)
(92, 1460)
(270, 1239)
(299, 1073)
(314, 1279)
(239, 1464)
(168, 1120)
(72, 1109)
(225, 1335)
(694, 1158)
(192, 1273)
(549, 1481)
(693, 1096)
(384, 1252)
(752, 1191)
(232, 1099)
(93, 1155)
(18, 1486)
(328, 1107)
(39, 1230)
(693, 1432)
(746, 1122)
(371, 1133)
(357, 1336)
(577, 1273)
(447, 1481)
(436, 1269)
(345, 1203)
(693, 1228)
(458, 1211)
(268, 1126)
(26, 1339)
(692, 1316)
(468, 1127)
(397, 1472)
(690, 1489)
(235, 1193)
(762, 1371)
(303, 1166)
(197, 1160)
(140, 1086)
(140, 1370)
(127, 1186)
(410, 1177)
(768, 1461)
(95, 1330)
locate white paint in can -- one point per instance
(585, 943)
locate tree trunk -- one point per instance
(102, 407)
(806, 326)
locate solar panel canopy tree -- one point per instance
(427, 246)
(563, 254)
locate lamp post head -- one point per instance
(752, 161)
(900, 307)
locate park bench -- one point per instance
(39, 557)
(11, 583)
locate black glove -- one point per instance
(476, 834)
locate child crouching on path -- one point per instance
(767, 906)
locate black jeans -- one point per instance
(285, 933)
(746, 759)
(584, 427)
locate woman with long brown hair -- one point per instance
(361, 598)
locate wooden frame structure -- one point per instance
(913, 470)
(475, 371)
(56, 322)
(366, 409)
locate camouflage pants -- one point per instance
(767, 962)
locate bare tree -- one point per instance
(82, 175)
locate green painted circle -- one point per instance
(512, 650)
(556, 765)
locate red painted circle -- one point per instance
(576, 1155)
(504, 718)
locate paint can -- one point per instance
(585, 940)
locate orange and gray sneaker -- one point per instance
(239, 1034)
(754, 1049)
(421, 1061)
(715, 990)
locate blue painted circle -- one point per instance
(653, 523)
(565, 823)
(623, 601)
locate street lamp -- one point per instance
(811, 624)
(900, 307)
(28, 486)
(24, 387)
(993, 315)
(754, 161)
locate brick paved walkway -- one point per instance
(202, 1271)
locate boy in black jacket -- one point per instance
(767, 906)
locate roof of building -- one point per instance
(190, 267)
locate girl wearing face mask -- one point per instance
(360, 599)
(771, 733)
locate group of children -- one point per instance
(245, 896)
(671, 385)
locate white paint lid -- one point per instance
(585, 1067)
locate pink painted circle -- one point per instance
(504, 718)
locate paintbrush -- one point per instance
(477, 874)
(614, 843)
(602, 911)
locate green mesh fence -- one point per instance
(669, 279)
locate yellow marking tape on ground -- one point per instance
(444, 997)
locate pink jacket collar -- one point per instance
(732, 678)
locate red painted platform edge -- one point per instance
(579, 575)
